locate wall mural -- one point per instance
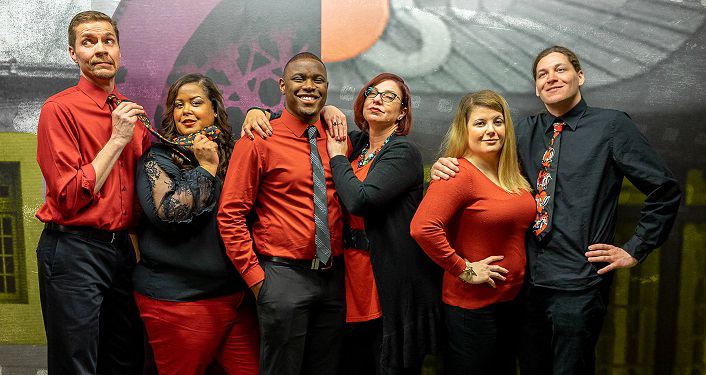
(646, 57)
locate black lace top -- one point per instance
(183, 257)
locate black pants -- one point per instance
(90, 317)
(302, 314)
(560, 330)
(362, 343)
(362, 346)
(481, 341)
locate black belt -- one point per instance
(87, 232)
(313, 264)
(355, 239)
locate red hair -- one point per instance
(403, 126)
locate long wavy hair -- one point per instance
(456, 140)
(225, 140)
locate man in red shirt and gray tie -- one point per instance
(87, 151)
(292, 259)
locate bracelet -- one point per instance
(467, 273)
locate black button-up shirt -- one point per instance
(598, 148)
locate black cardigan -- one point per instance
(408, 282)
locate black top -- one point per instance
(408, 282)
(182, 255)
(598, 148)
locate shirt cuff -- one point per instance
(254, 275)
(339, 159)
(88, 181)
(457, 267)
(204, 172)
(637, 248)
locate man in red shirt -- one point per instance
(87, 152)
(292, 259)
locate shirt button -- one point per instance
(124, 213)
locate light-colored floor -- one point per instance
(23, 360)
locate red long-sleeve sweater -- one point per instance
(470, 217)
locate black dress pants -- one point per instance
(90, 317)
(481, 341)
(560, 330)
(302, 314)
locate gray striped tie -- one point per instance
(322, 237)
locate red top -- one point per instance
(273, 177)
(74, 125)
(362, 303)
(470, 217)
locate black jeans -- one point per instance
(302, 314)
(90, 317)
(560, 330)
(481, 341)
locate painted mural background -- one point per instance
(646, 57)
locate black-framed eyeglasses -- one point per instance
(386, 96)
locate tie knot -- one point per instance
(312, 132)
(558, 127)
(113, 101)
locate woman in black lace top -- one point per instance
(196, 308)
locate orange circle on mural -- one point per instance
(349, 27)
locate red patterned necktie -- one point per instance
(546, 183)
(211, 132)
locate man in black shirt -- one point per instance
(570, 254)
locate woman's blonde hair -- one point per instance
(455, 143)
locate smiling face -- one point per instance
(486, 131)
(304, 85)
(377, 112)
(193, 110)
(557, 83)
(96, 51)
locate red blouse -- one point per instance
(471, 217)
(362, 303)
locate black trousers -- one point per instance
(560, 329)
(362, 347)
(90, 317)
(302, 314)
(481, 341)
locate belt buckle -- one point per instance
(315, 263)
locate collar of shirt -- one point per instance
(571, 118)
(96, 93)
(298, 127)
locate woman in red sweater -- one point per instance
(473, 226)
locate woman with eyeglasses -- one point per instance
(392, 287)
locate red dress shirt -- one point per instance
(470, 217)
(74, 125)
(273, 178)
